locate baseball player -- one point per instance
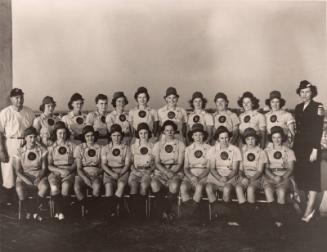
(224, 117)
(97, 119)
(14, 119)
(199, 115)
(196, 168)
(141, 170)
(62, 166)
(278, 172)
(89, 172)
(169, 157)
(31, 168)
(75, 120)
(120, 116)
(171, 111)
(115, 162)
(251, 118)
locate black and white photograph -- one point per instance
(163, 125)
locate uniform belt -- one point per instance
(16, 138)
(278, 169)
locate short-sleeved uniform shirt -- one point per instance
(13, 123)
(224, 158)
(121, 119)
(147, 115)
(280, 118)
(196, 158)
(252, 160)
(116, 156)
(201, 117)
(90, 156)
(227, 119)
(178, 115)
(61, 154)
(142, 155)
(75, 123)
(278, 159)
(252, 119)
(45, 123)
(31, 159)
(169, 152)
(98, 122)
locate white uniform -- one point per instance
(279, 118)
(75, 124)
(202, 117)
(148, 116)
(99, 124)
(121, 119)
(252, 119)
(227, 119)
(12, 125)
(45, 123)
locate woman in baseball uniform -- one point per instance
(89, 172)
(120, 116)
(224, 117)
(62, 166)
(75, 119)
(47, 119)
(251, 173)
(224, 159)
(142, 113)
(31, 169)
(199, 115)
(251, 118)
(169, 158)
(196, 167)
(309, 117)
(141, 170)
(277, 174)
(115, 162)
(171, 111)
(277, 116)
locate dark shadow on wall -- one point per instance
(5, 52)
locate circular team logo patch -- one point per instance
(31, 156)
(198, 154)
(122, 118)
(142, 113)
(171, 115)
(224, 155)
(222, 119)
(144, 150)
(91, 153)
(247, 119)
(273, 118)
(196, 119)
(103, 119)
(169, 148)
(79, 120)
(250, 157)
(116, 152)
(62, 150)
(51, 122)
(277, 155)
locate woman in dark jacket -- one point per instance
(309, 116)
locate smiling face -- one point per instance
(221, 104)
(275, 104)
(223, 139)
(198, 137)
(247, 104)
(305, 94)
(116, 137)
(89, 137)
(197, 103)
(277, 139)
(17, 101)
(172, 100)
(102, 106)
(142, 99)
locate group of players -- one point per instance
(166, 151)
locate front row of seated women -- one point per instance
(164, 166)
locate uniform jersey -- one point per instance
(90, 157)
(252, 119)
(116, 156)
(227, 119)
(201, 117)
(45, 123)
(224, 158)
(31, 159)
(119, 118)
(279, 118)
(178, 115)
(98, 122)
(147, 115)
(252, 160)
(142, 155)
(196, 158)
(169, 152)
(278, 159)
(61, 154)
(13, 123)
(75, 123)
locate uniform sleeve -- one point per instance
(235, 120)
(289, 119)
(209, 119)
(2, 121)
(128, 157)
(184, 116)
(89, 119)
(290, 155)
(37, 124)
(155, 116)
(109, 120)
(50, 155)
(155, 150)
(262, 121)
(130, 116)
(78, 152)
(181, 153)
(210, 153)
(186, 157)
(238, 154)
(317, 128)
(44, 152)
(263, 159)
(104, 152)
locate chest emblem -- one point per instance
(115, 152)
(171, 115)
(250, 157)
(91, 153)
(142, 114)
(247, 119)
(62, 150)
(31, 156)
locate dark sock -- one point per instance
(57, 203)
(274, 211)
(65, 204)
(171, 199)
